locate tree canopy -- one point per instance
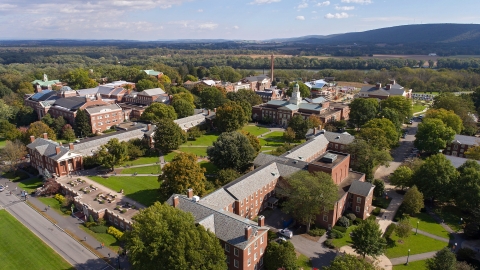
(349, 262)
(183, 108)
(391, 133)
(402, 177)
(211, 98)
(367, 157)
(367, 239)
(308, 195)
(246, 95)
(375, 137)
(163, 237)
(182, 173)
(280, 256)
(232, 150)
(304, 90)
(168, 135)
(299, 126)
(449, 118)
(468, 182)
(112, 153)
(37, 129)
(444, 260)
(158, 111)
(413, 201)
(230, 117)
(402, 105)
(79, 79)
(363, 110)
(433, 135)
(82, 124)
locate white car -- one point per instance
(286, 232)
(2, 188)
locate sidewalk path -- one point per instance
(413, 258)
(432, 236)
(382, 260)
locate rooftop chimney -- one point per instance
(32, 138)
(215, 109)
(176, 201)
(272, 60)
(149, 127)
(248, 232)
(208, 113)
(57, 149)
(45, 136)
(392, 82)
(388, 86)
(190, 193)
(261, 221)
(60, 143)
(70, 146)
(379, 85)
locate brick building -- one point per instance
(69, 106)
(460, 145)
(258, 83)
(145, 97)
(105, 116)
(57, 159)
(243, 240)
(45, 84)
(390, 90)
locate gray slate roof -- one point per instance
(152, 92)
(468, 140)
(307, 149)
(71, 103)
(256, 78)
(395, 90)
(102, 109)
(360, 188)
(226, 226)
(218, 200)
(339, 137)
(48, 148)
(458, 161)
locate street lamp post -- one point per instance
(408, 257)
(416, 231)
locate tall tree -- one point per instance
(112, 153)
(402, 177)
(9, 131)
(79, 79)
(367, 239)
(379, 188)
(289, 135)
(375, 137)
(168, 136)
(37, 129)
(433, 135)
(211, 98)
(308, 195)
(246, 95)
(473, 152)
(82, 124)
(232, 150)
(48, 120)
(350, 262)
(158, 111)
(12, 152)
(468, 181)
(254, 141)
(68, 133)
(280, 256)
(163, 237)
(461, 106)
(393, 116)
(226, 176)
(25, 116)
(230, 117)
(367, 157)
(449, 118)
(363, 110)
(183, 108)
(403, 228)
(6, 112)
(58, 124)
(182, 173)
(435, 178)
(413, 201)
(145, 84)
(391, 133)
(443, 260)
(314, 121)
(402, 105)
(299, 126)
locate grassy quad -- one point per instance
(210, 168)
(428, 224)
(168, 157)
(143, 189)
(15, 176)
(31, 184)
(198, 151)
(153, 169)
(416, 243)
(418, 108)
(204, 140)
(417, 265)
(108, 239)
(141, 161)
(54, 204)
(21, 249)
(346, 240)
(255, 130)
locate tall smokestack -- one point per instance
(271, 71)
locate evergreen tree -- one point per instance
(82, 124)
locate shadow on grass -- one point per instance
(391, 243)
(146, 197)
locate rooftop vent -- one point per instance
(195, 198)
(299, 157)
(273, 173)
(329, 158)
(337, 138)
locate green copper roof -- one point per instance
(152, 72)
(45, 83)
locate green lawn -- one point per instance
(15, 176)
(199, 151)
(418, 108)
(152, 169)
(54, 204)
(304, 262)
(30, 184)
(143, 189)
(168, 157)
(428, 224)
(273, 139)
(416, 243)
(108, 239)
(417, 265)
(141, 161)
(255, 130)
(209, 167)
(451, 215)
(204, 140)
(346, 240)
(21, 249)
(2, 142)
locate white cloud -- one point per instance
(386, 19)
(314, 12)
(261, 2)
(300, 18)
(302, 5)
(323, 4)
(344, 7)
(236, 27)
(342, 15)
(200, 10)
(362, 2)
(207, 26)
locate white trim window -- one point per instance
(357, 208)
(359, 200)
(227, 247)
(249, 250)
(235, 252)
(235, 263)
(325, 218)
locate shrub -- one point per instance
(316, 232)
(329, 243)
(372, 217)
(68, 212)
(271, 235)
(99, 229)
(101, 222)
(89, 224)
(336, 234)
(358, 221)
(376, 211)
(390, 229)
(60, 198)
(351, 216)
(344, 222)
(115, 232)
(465, 254)
(472, 230)
(340, 229)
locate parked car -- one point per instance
(404, 135)
(1, 188)
(281, 240)
(410, 122)
(286, 232)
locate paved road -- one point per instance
(72, 251)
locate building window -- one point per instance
(241, 203)
(325, 218)
(227, 247)
(336, 146)
(241, 213)
(359, 200)
(235, 263)
(261, 240)
(261, 261)
(255, 257)
(228, 259)
(455, 147)
(261, 251)
(249, 250)
(249, 261)
(235, 251)
(256, 244)
(357, 208)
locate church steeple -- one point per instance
(296, 97)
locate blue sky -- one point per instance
(228, 19)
